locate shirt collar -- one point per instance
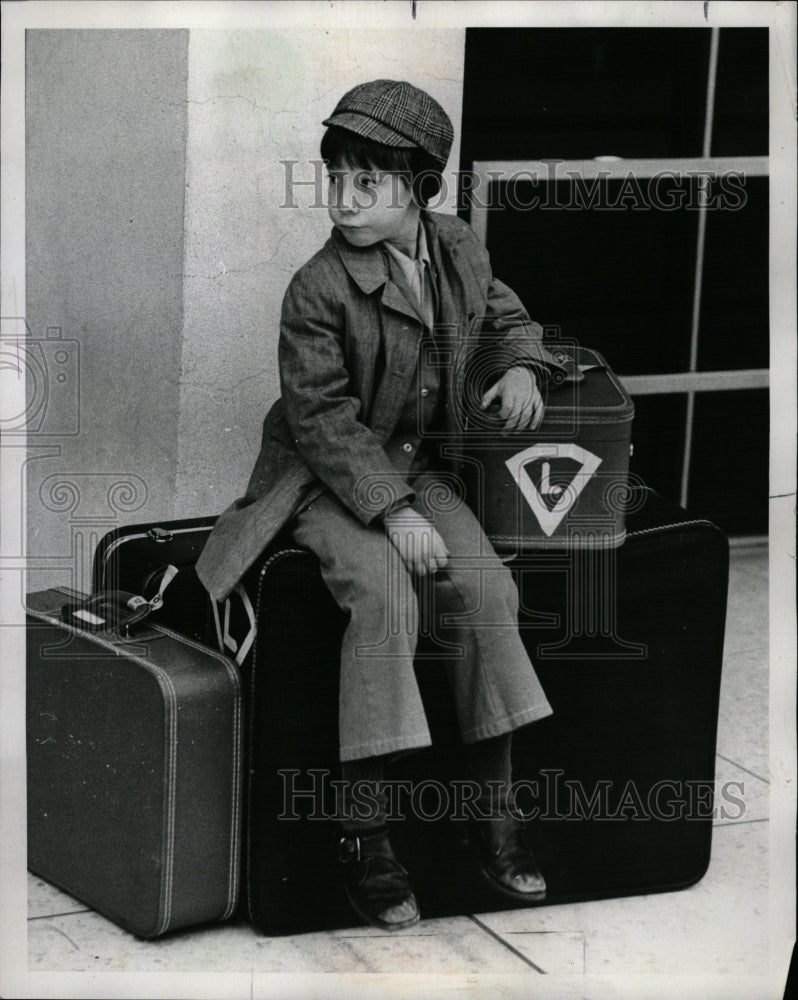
(368, 265)
(422, 251)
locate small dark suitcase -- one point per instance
(134, 768)
(562, 485)
(628, 643)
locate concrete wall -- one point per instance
(105, 167)
(159, 242)
(256, 98)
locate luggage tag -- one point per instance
(116, 610)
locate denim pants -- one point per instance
(473, 606)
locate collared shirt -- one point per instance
(415, 276)
(409, 447)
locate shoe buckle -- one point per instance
(349, 849)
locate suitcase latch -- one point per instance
(160, 535)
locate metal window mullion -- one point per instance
(643, 168)
(699, 262)
(706, 381)
(489, 172)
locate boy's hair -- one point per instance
(344, 149)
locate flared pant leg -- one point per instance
(380, 707)
(474, 606)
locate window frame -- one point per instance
(691, 381)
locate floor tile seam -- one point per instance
(741, 822)
(65, 913)
(559, 932)
(506, 944)
(392, 937)
(741, 767)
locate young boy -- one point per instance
(379, 332)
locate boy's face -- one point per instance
(367, 206)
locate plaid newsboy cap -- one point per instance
(395, 113)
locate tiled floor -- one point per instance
(718, 926)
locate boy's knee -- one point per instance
(490, 589)
(385, 592)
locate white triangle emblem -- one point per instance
(551, 501)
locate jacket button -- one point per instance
(425, 392)
(407, 446)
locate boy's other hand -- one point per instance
(418, 543)
(520, 399)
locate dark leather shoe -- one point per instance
(377, 886)
(507, 860)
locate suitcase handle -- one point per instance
(107, 611)
(114, 610)
(571, 369)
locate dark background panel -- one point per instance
(733, 330)
(658, 433)
(622, 280)
(740, 126)
(617, 279)
(729, 463)
(577, 93)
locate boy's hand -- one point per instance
(416, 540)
(521, 402)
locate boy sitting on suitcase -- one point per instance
(350, 458)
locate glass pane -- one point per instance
(658, 438)
(535, 93)
(616, 276)
(733, 331)
(729, 463)
(740, 126)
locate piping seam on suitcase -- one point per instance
(144, 534)
(614, 542)
(167, 887)
(170, 756)
(283, 553)
(609, 419)
(672, 527)
(236, 771)
(169, 832)
(235, 828)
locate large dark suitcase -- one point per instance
(628, 645)
(134, 770)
